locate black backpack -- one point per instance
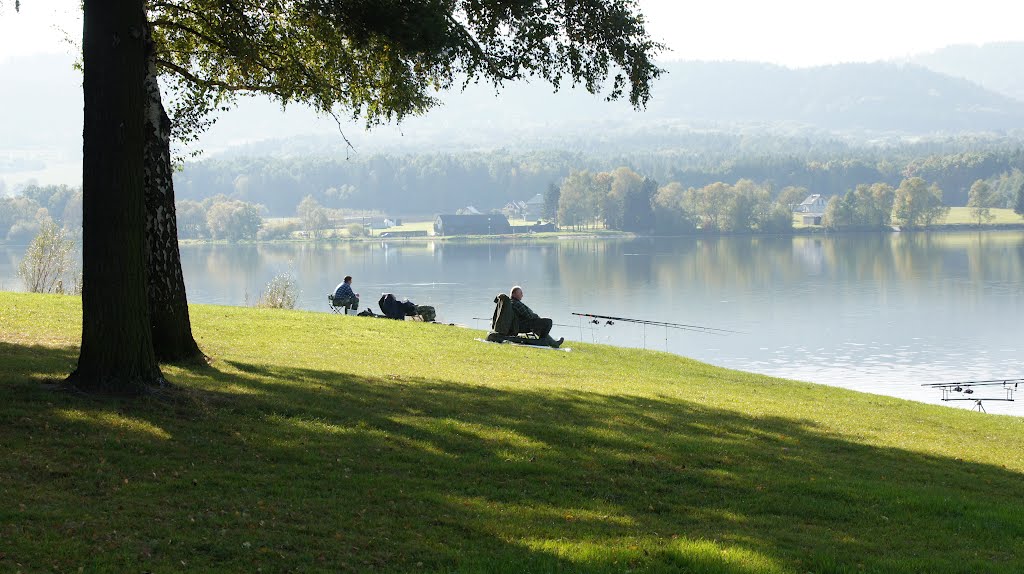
(395, 309)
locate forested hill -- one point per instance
(996, 66)
(873, 97)
(850, 98)
(878, 96)
(42, 106)
(425, 183)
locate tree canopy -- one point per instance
(384, 60)
(980, 199)
(916, 204)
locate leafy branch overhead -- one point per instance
(382, 60)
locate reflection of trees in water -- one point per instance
(497, 265)
(9, 258)
(722, 266)
(754, 263)
(484, 253)
(855, 257)
(331, 262)
(678, 263)
(226, 261)
(758, 263)
(475, 262)
(996, 257)
(728, 262)
(986, 256)
(10, 255)
(227, 269)
(918, 257)
(584, 263)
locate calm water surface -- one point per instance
(881, 313)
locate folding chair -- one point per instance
(505, 325)
(340, 308)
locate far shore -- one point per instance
(614, 234)
(597, 233)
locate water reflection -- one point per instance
(875, 312)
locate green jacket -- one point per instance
(504, 321)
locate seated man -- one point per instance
(530, 321)
(344, 297)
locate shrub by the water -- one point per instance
(280, 293)
(356, 230)
(48, 260)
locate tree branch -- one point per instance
(165, 23)
(208, 83)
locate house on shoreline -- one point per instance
(814, 203)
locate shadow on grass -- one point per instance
(297, 469)
(24, 363)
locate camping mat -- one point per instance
(566, 349)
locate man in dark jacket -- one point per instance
(530, 321)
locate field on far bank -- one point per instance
(312, 442)
(958, 216)
(963, 216)
(405, 227)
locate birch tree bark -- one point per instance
(168, 304)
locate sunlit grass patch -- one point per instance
(671, 553)
(709, 556)
(113, 422)
(965, 215)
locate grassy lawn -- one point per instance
(427, 226)
(957, 216)
(798, 222)
(320, 443)
(962, 216)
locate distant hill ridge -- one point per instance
(995, 66)
(860, 96)
(43, 108)
(867, 97)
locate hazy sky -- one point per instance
(788, 32)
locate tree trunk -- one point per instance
(168, 305)
(117, 347)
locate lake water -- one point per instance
(881, 313)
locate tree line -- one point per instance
(914, 203)
(431, 183)
(620, 199)
(23, 215)
(623, 199)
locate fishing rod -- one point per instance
(680, 326)
(967, 388)
(555, 324)
(967, 384)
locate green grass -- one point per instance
(427, 226)
(319, 443)
(962, 216)
(958, 216)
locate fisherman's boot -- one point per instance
(549, 341)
